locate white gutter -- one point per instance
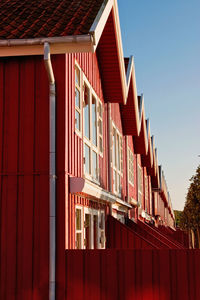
(51, 40)
(52, 175)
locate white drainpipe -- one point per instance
(52, 170)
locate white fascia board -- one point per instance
(97, 29)
(123, 203)
(129, 73)
(134, 86)
(100, 21)
(120, 49)
(119, 208)
(59, 45)
(80, 185)
(134, 202)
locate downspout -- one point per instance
(52, 173)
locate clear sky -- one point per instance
(164, 38)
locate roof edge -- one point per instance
(59, 45)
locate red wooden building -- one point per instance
(75, 145)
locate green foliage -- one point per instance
(190, 218)
(178, 214)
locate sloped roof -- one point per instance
(23, 19)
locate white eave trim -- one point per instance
(59, 45)
(81, 186)
(100, 21)
(123, 203)
(129, 73)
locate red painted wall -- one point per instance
(24, 180)
(135, 274)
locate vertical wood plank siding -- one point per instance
(24, 177)
(131, 278)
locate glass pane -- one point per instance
(77, 98)
(100, 126)
(100, 144)
(119, 183)
(94, 121)
(114, 148)
(115, 181)
(100, 110)
(78, 240)
(87, 231)
(78, 219)
(95, 231)
(77, 120)
(86, 112)
(102, 239)
(118, 153)
(87, 159)
(77, 76)
(94, 165)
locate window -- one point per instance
(77, 99)
(140, 185)
(93, 131)
(146, 193)
(79, 228)
(100, 126)
(117, 161)
(102, 229)
(89, 107)
(90, 228)
(130, 166)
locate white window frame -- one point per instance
(100, 230)
(130, 167)
(78, 109)
(89, 142)
(140, 184)
(146, 192)
(117, 169)
(82, 226)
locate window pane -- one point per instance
(94, 165)
(101, 224)
(77, 98)
(100, 126)
(94, 121)
(77, 120)
(86, 112)
(114, 148)
(78, 240)
(87, 159)
(119, 184)
(78, 219)
(100, 144)
(118, 153)
(115, 181)
(102, 239)
(100, 110)
(77, 76)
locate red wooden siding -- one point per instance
(24, 177)
(132, 274)
(119, 236)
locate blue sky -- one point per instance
(164, 38)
